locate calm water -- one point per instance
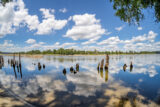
(88, 87)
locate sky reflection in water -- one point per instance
(88, 87)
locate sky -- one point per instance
(73, 24)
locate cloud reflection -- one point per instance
(51, 87)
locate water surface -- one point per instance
(88, 87)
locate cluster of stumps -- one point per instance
(101, 64)
(1, 62)
(16, 64)
(72, 70)
(125, 66)
(40, 66)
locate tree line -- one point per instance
(62, 51)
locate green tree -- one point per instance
(131, 10)
(3, 2)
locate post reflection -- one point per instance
(14, 71)
(98, 69)
(106, 75)
(86, 84)
(101, 73)
(20, 68)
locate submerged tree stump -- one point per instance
(77, 67)
(102, 63)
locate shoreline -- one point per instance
(41, 55)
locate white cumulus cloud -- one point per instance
(15, 15)
(86, 27)
(31, 41)
(49, 23)
(110, 41)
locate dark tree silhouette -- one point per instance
(131, 10)
(3, 2)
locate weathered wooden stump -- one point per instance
(39, 66)
(71, 69)
(106, 66)
(44, 66)
(102, 63)
(77, 67)
(64, 71)
(124, 67)
(131, 67)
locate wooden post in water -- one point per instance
(64, 71)
(124, 67)
(107, 58)
(14, 58)
(107, 61)
(14, 61)
(102, 63)
(131, 67)
(77, 67)
(71, 69)
(19, 58)
(39, 66)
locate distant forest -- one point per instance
(62, 51)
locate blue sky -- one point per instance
(78, 24)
